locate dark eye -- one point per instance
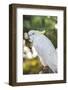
(32, 34)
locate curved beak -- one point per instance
(29, 39)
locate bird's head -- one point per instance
(34, 33)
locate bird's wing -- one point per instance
(46, 50)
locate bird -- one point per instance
(44, 48)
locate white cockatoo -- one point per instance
(44, 48)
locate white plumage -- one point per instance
(44, 48)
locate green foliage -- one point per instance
(52, 35)
(32, 66)
(36, 22)
(49, 23)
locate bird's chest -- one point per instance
(43, 48)
(39, 47)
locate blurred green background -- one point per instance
(39, 23)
